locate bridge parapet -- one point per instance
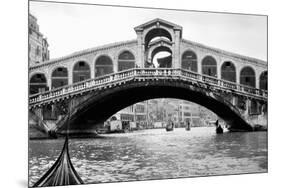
(144, 74)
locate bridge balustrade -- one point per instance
(248, 90)
(228, 84)
(190, 74)
(210, 79)
(162, 72)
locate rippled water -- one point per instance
(155, 154)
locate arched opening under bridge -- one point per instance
(100, 106)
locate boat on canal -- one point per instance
(170, 126)
(62, 172)
(188, 125)
(219, 129)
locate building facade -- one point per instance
(126, 114)
(141, 114)
(136, 113)
(188, 112)
(37, 44)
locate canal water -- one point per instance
(155, 154)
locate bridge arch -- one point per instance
(126, 60)
(189, 60)
(37, 83)
(81, 71)
(121, 96)
(103, 65)
(248, 76)
(59, 77)
(209, 66)
(228, 71)
(263, 80)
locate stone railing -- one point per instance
(142, 73)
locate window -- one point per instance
(38, 51)
(187, 114)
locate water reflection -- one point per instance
(155, 154)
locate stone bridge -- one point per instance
(98, 82)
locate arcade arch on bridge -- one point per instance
(189, 61)
(37, 84)
(247, 77)
(158, 44)
(103, 66)
(228, 71)
(209, 66)
(81, 71)
(159, 54)
(59, 77)
(126, 60)
(263, 80)
(162, 61)
(154, 34)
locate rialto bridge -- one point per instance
(100, 81)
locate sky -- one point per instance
(71, 27)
